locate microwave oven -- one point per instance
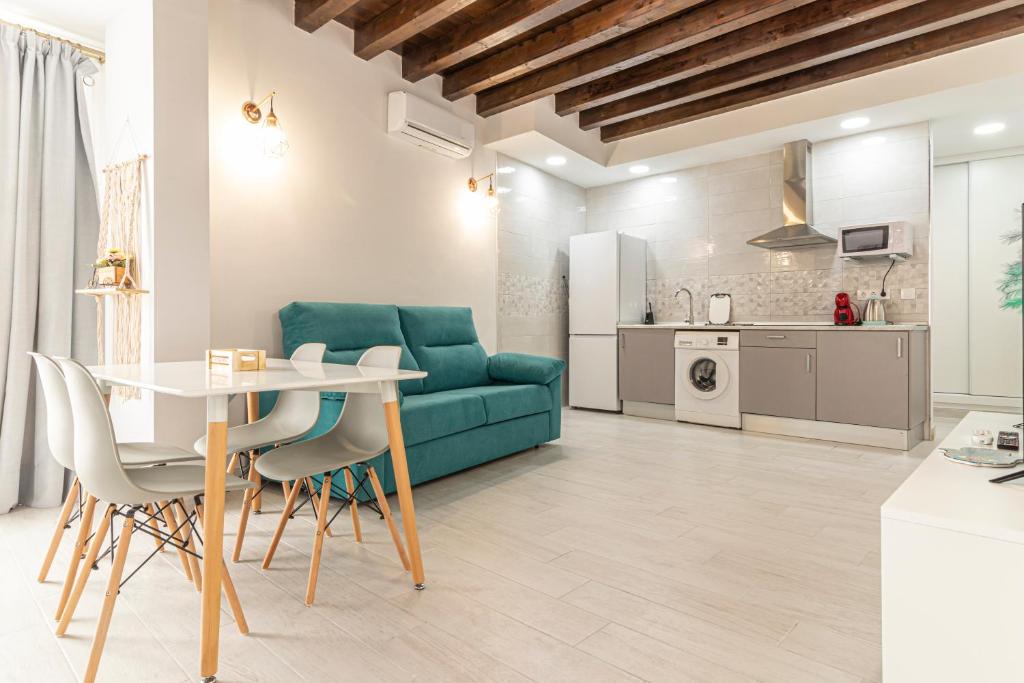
(895, 240)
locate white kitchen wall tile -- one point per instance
(746, 200)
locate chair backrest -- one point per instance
(59, 425)
(297, 410)
(361, 425)
(96, 458)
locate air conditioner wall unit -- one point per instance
(429, 126)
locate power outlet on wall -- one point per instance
(863, 294)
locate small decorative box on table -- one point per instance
(236, 360)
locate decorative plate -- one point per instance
(982, 457)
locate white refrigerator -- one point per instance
(607, 286)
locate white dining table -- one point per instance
(193, 379)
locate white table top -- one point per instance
(950, 495)
(195, 379)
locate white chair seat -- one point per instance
(179, 481)
(140, 454)
(250, 436)
(308, 458)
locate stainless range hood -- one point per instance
(797, 204)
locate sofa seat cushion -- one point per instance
(426, 417)
(444, 342)
(508, 401)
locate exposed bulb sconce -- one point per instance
(275, 144)
(492, 198)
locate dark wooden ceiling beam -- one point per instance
(698, 24)
(905, 23)
(312, 14)
(400, 22)
(510, 19)
(602, 23)
(783, 29)
(942, 41)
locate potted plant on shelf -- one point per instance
(109, 269)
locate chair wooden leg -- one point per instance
(154, 525)
(190, 543)
(172, 524)
(285, 514)
(243, 518)
(58, 531)
(318, 540)
(257, 498)
(285, 489)
(353, 506)
(83, 577)
(113, 587)
(228, 586)
(385, 509)
(316, 498)
(84, 529)
(233, 463)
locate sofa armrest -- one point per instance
(523, 368)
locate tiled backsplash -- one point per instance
(538, 214)
(697, 222)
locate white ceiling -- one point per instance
(81, 20)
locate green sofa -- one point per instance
(470, 408)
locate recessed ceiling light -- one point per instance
(505, 170)
(854, 122)
(669, 179)
(556, 160)
(990, 128)
(639, 169)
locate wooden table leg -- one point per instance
(213, 538)
(389, 394)
(252, 413)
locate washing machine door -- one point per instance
(706, 376)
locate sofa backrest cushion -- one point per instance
(443, 340)
(347, 330)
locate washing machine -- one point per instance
(707, 377)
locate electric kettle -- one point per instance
(874, 311)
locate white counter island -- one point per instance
(953, 570)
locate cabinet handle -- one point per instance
(622, 338)
(808, 362)
(899, 347)
(775, 336)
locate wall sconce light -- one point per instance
(275, 144)
(492, 198)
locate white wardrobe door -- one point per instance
(949, 287)
(996, 197)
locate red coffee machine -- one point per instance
(846, 312)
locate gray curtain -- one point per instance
(48, 226)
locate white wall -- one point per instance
(697, 222)
(349, 214)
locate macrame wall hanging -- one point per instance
(119, 244)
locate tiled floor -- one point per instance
(629, 550)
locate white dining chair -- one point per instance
(358, 435)
(80, 503)
(127, 491)
(291, 418)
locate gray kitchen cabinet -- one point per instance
(864, 378)
(778, 381)
(647, 365)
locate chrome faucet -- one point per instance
(689, 317)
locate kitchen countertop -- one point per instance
(779, 326)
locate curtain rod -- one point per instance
(92, 52)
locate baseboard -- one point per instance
(658, 411)
(969, 401)
(897, 439)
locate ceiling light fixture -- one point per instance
(639, 169)
(555, 160)
(505, 170)
(854, 122)
(990, 128)
(275, 144)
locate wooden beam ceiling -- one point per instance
(911, 21)
(958, 37)
(634, 66)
